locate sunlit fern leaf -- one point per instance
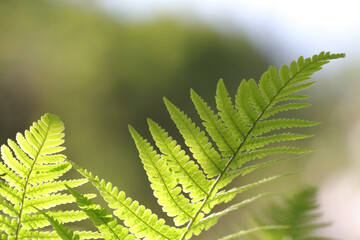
(140, 220)
(226, 196)
(198, 143)
(220, 134)
(163, 182)
(243, 104)
(298, 212)
(105, 222)
(186, 171)
(232, 174)
(260, 142)
(250, 120)
(264, 152)
(38, 220)
(63, 232)
(30, 168)
(233, 121)
(89, 235)
(243, 131)
(206, 222)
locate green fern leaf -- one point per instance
(299, 212)
(105, 222)
(244, 106)
(280, 123)
(140, 220)
(285, 107)
(192, 179)
(198, 143)
(61, 230)
(242, 131)
(36, 221)
(260, 142)
(232, 174)
(53, 187)
(209, 221)
(31, 166)
(219, 133)
(252, 106)
(163, 183)
(264, 152)
(259, 102)
(234, 122)
(227, 196)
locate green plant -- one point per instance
(31, 181)
(187, 187)
(298, 212)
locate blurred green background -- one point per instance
(99, 74)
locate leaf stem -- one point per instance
(27, 182)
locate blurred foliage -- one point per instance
(299, 212)
(100, 74)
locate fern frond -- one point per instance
(254, 104)
(187, 173)
(299, 212)
(187, 187)
(26, 234)
(60, 229)
(52, 187)
(140, 220)
(260, 142)
(284, 108)
(264, 152)
(7, 225)
(89, 235)
(163, 182)
(49, 201)
(230, 117)
(105, 222)
(207, 222)
(227, 196)
(232, 174)
(38, 220)
(209, 159)
(30, 179)
(238, 131)
(280, 123)
(243, 104)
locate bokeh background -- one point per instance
(101, 65)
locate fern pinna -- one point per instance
(30, 168)
(189, 186)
